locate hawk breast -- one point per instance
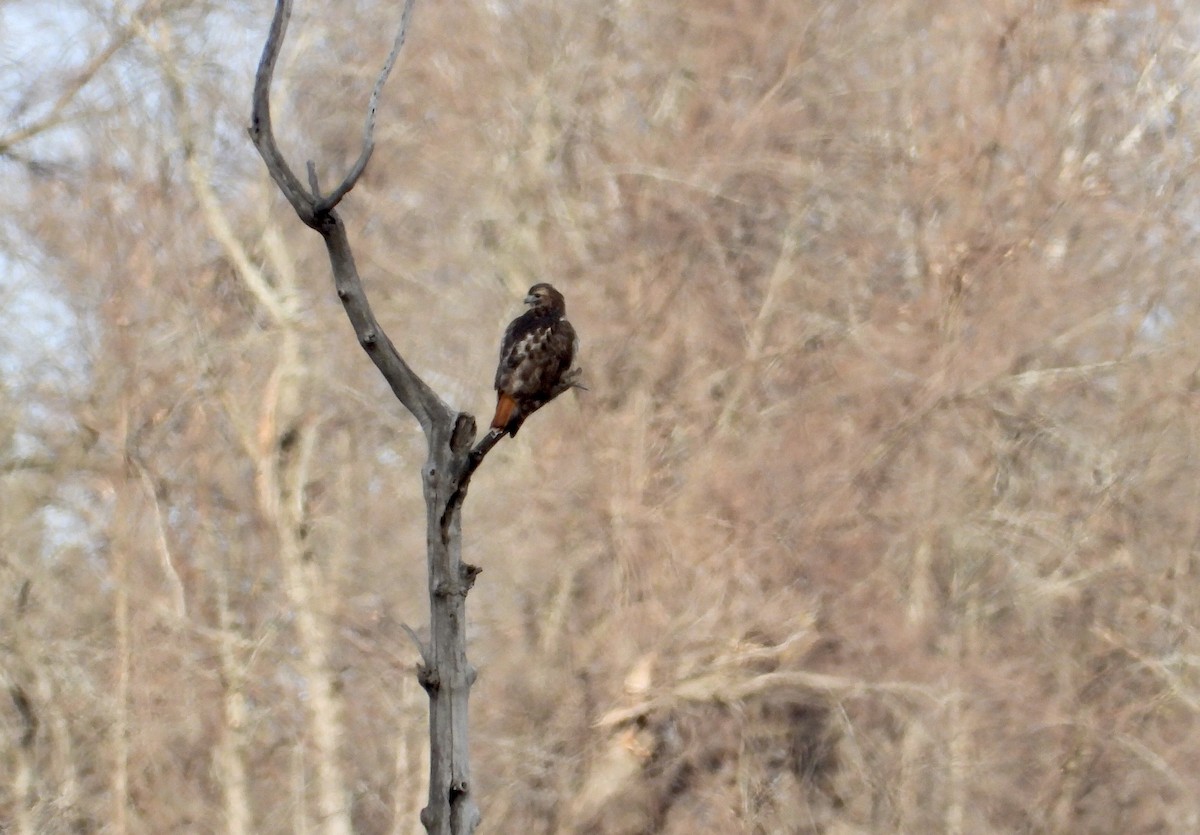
(537, 356)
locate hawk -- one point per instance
(535, 354)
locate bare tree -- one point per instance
(444, 673)
(885, 517)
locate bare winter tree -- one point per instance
(445, 673)
(882, 518)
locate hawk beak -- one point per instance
(531, 299)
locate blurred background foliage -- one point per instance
(879, 514)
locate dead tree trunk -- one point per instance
(444, 673)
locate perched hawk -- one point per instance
(537, 350)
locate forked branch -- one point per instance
(310, 205)
(319, 213)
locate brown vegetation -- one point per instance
(878, 515)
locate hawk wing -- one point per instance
(510, 351)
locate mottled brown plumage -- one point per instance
(537, 350)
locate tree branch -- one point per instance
(368, 143)
(726, 687)
(57, 114)
(318, 213)
(569, 381)
(261, 132)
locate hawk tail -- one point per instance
(508, 414)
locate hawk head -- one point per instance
(545, 299)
